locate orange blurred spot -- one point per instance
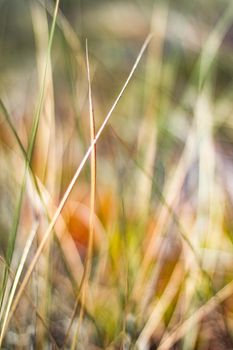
(76, 216)
(77, 219)
(78, 228)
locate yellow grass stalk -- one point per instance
(160, 307)
(44, 163)
(88, 261)
(27, 247)
(44, 167)
(202, 312)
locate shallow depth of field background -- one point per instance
(161, 270)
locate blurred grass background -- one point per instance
(159, 274)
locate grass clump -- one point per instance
(116, 230)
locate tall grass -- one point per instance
(132, 249)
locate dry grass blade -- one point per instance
(87, 267)
(44, 160)
(93, 169)
(17, 276)
(73, 181)
(160, 308)
(203, 311)
(45, 166)
(88, 261)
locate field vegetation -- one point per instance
(116, 158)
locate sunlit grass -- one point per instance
(116, 230)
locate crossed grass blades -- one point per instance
(133, 249)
